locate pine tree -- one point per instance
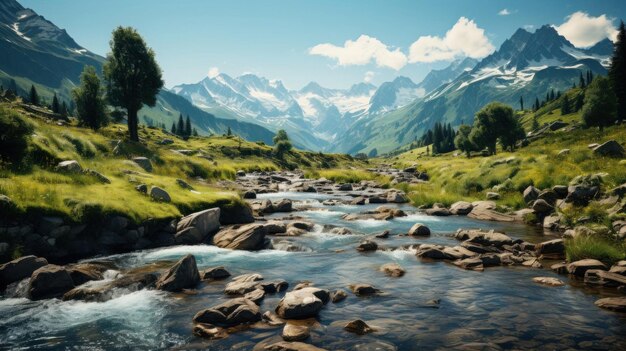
(537, 104)
(64, 112)
(33, 97)
(581, 84)
(229, 132)
(173, 130)
(188, 127)
(89, 96)
(180, 127)
(600, 109)
(535, 125)
(580, 101)
(194, 132)
(55, 104)
(13, 86)
(552, 95)
(565, 106)
(521, 103)
(617, 72)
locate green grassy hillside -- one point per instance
(37, 188)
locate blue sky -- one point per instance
(277, 38)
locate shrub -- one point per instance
(594, 246)
(14, 134)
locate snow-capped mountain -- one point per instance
(437, 77)
(527, 65)
(392, 95)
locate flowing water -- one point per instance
(500, 308)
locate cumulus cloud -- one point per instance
(583, 30)
(465, 38)
(504, 12)
(213, 72)
(363, 50)
(369, 75)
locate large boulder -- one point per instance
(215, 273)
(419, 229)
(578, 268)
(611, 149)
(144, 163)
(236, 214)
(617, 304)
(461, 208)
(230, 313)
(241, 237)
(204, 223)
(70, 167)
(183, 275)
(19, 269)
(158, 194)
(489, 238)
(553, 248)
(284, 205)
(49, 281)
(302, 303)
(486, 211)
(542, 206)
(396, 197)
(294, 332)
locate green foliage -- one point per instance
(89, 99)
(594, 246)
(600, 109)
(56, 108)
(132, 75)
(33, 96)
(495, 120)
(462, 140)
(282, 144)
(617, 72)
(14, 134)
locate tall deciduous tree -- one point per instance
(132, 75)
(89, 99)
(600, 108)
(617, 72)
(490, 123)
(462, 140)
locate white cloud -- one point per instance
(529, 27)
(584, 30)
(369, 75)
(361, 52)
(504, 12)
(463, 39)
(213, 72)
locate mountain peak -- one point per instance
(361, 89)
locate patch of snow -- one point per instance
(16, 29)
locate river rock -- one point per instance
(579, 268)
(550, 281)
(542, 206)
(461, 208)
(471, 263)
(419, 229)
(392, 270)
(338, 296)
(292, 346)
(85, 272)
(19, 269)
(617, 304)
(358, 201)
(237, 214)
(530, 194)
(255, 295)
(438, 211)
(358, 327)
(250, 194)
(489, 238)
(183, 275)
(303, 303)
(158, 194)
(492, 196)
(205, 223)
(284, 205)
(367, 246)
(144, 163)
(130, 282)
(485, 210)
(396, 197)
(215, 273)
(241, 237)
(604, 278)
(230, 313)
(292, 332)
(345, 187)
(49, 281)
(553, 248)
(363, 290)
(70, 167)
(610, 148)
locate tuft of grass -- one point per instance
(345, 175)
(597, 247)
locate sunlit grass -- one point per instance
(596, 247)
